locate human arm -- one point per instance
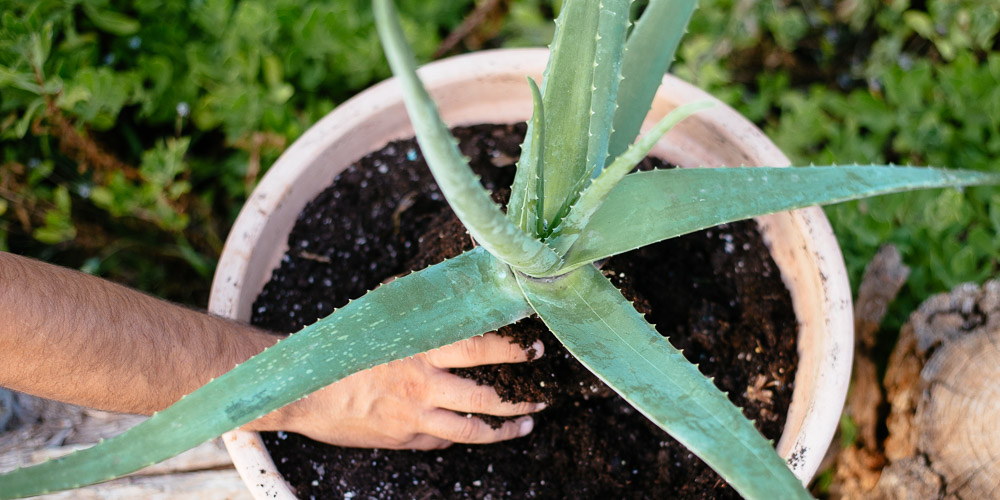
(72, 337)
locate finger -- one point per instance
(466, 396)
(451, 426)
(488, 349)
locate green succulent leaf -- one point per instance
(648, 54)
(457, 299)
(595, 194)
(604, 78)
(567, 89)
(525, 206)
(483, 218)
(611, 29)
(602, 330)
(580, 85)
(537, 153)
(680, 201)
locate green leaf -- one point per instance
(457, 299)
(165, 161)
(525, 206)
(595, 194)
(19, 80)
(607, 77)
(537, 154)
(471, 203)
(58, 226)
(648, 54)
(110, 21)
(921, 23)
(567, 89)
(602, 330)
(681, 201)
(41, 46)
(29, 114)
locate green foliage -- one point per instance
(927, 94)
(901, 82)
(57, 227)
(156, 118)
(152, 199)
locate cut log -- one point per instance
(942, 383)
(958, 417)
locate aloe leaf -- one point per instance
(471, 203)
(524, 188)
(567, 89)
(459, 298)
(610, 44)
(648, 54)
(595, 194)
(680, 201)
(529, 179)
(538, 152)
(602, 330)
(613, 22)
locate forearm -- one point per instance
(72, 337)
(68, 336)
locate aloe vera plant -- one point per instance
(574, 201)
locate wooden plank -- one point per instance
(210, 455)
(56, 429)
(203, 485)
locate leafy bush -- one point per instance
(191, 103)
(133, 131)
(873, 81)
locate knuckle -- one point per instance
(468, 431)
(473, 348)
(510, 430)
(523, 408)
(478, 400)
(515, 352)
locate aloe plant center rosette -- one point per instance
(574, 202)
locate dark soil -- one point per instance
(717, 294)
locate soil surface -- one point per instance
(716, 294)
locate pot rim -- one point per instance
(801, 242)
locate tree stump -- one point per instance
(943, 387)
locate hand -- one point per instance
(412, 403)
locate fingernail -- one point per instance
(526, 426)
(539, 348)
(540, 406)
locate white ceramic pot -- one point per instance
(490, 87)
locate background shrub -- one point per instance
(132, 132)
